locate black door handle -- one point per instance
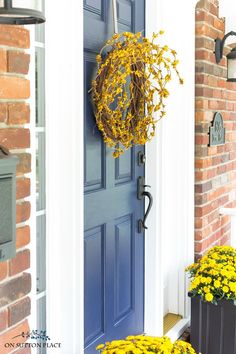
(147, 194)
(141, 194)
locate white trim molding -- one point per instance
(32, 199)
(170, 237)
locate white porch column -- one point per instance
(64, 167)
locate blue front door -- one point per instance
(114, 249)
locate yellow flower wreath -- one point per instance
(130, 85)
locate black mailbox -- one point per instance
(8, 164)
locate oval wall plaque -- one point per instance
(217, 131)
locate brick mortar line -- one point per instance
(21, 224)
(17, 349)
(212, 245)
(211, 75)
(21, 200)
(209, 202)
(21, 249)
(203, 193)
(14, 100)
(18, 126)
(20, 177)
(214, 88)
(207, 133)
(14, 326)
(212, 212)
(210, 51)
(207, 192)
(199, 229)
(211, 190)
(15, 276)
(212, 99)
(215, 166)
(197, 85)
(217, 89)
(210, 179)
(5, 307)
(227, 100)
(14, 126)
(203, 36)
(206, 215)
(218, 155)
(20, 151)
(203, 48)
(204, 22)
(12, 48)
(212, 233)
(206, 49)
(204, 61)
(12, 74)
(210, 110)
(210, 169)
(202, 9)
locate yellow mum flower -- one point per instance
(209, 297)
(225, 289)
(217, 283)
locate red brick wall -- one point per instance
(215, 167)
(15, 282)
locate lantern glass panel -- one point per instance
(28, 4)
(231, 69)
(1, 3)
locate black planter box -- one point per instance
(213, 327)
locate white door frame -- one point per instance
(64, 112)
(171, 221)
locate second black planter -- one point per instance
(213, 328)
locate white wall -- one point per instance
(227, 9)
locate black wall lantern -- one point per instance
(231, 57)
(21, 12)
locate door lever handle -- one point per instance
(147, 194)
(142, 194)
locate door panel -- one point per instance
(124, 167)
(124, 270)
(94, 147)
(114, 250)
(94, 283)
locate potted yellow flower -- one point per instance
(213, 300)
(141, 344)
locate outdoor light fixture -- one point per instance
(231, 57)
(21, 12)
